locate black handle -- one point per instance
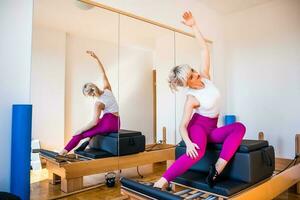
(131, 142)
(267, 158)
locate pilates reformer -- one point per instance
(70, 171)
(188, 187)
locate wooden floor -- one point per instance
(41, 190)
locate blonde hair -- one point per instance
(178, 76)
(90, 89)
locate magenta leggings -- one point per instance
(201, 130)
(107, 124)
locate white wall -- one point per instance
(15, 58)
(165, 109)
(262, 57)
(48, 87)
(135, 90)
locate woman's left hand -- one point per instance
(191, 150)
(188, 19)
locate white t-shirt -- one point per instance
(109, 101)
(209, 99)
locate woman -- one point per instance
(105, 103)
(204, 99)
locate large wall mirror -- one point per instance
(63, 32)
(145, 50)
(136, 55)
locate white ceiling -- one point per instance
(224, 7)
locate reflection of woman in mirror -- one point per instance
(106, 103)
(197, 129)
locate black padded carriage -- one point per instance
(124, 142)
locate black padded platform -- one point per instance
(94, 153)
(124, 133)
(225, 187)
(245, 147)
(253, 162)
(124, 142)
(248, 167)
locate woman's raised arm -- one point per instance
(102, 70)
(205, 55)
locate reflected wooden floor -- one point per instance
(41, 190)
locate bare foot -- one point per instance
(162, 183)
(63, 152)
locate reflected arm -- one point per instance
(102, 70)
(97, 112)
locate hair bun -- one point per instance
(178, 76)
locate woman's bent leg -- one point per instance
(198, 136)
(107, 124)
(231, 136)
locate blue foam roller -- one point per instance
(229, 119)
(20, 151)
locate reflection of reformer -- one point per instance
(250, 175)
(107, 153)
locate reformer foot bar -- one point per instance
(143, 191)
(267, 188)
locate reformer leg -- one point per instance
(53, 178)
(72, 184)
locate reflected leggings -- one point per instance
(201, 130)
(107, 124)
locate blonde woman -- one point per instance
(203, 99)
(105, 103)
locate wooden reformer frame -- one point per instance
(70, 174)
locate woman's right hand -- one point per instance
(188, 19)
(191, 150)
